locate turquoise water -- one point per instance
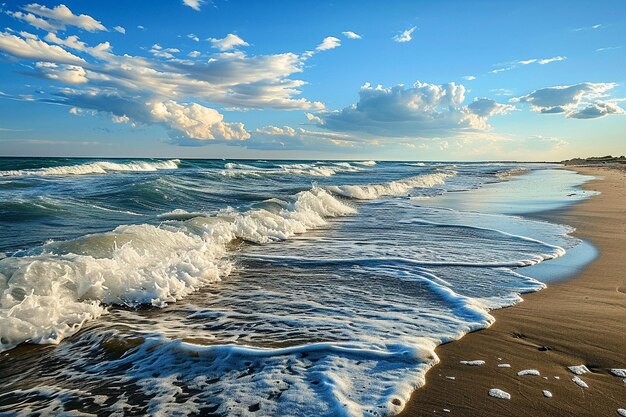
(206, 287)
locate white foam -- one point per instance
(99, 167)
(498, 393)
(49, 296)
(578, 369)
(619, 372)
(580, 382)
(392, 188)
(507, 174)
(473, 363)
(531, 372)
(366, 163)
(317, 169)
(547, 393)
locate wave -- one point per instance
(393, 188)
(100, 167)
(366, 163)
(317, 169)
(51, 292)
(508, 173)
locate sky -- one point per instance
(396, 80)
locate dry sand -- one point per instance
(581, 321)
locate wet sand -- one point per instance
(578, 321)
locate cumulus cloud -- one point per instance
(596, 109)
(67, 74)
(56, 18)
(423, 110)
(313, 118)
(485, 107)
(579, 101)
(119, 29)
(277, 131)
(351, 35)
(194, 4)
(329, 42)
(33, 48)
(181, 95)
(196, 121)
(405, 36)
(228, 42)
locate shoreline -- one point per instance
(579, 320)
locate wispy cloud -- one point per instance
(609, 48)
(405, 36)
(515, 64)
(194, 4)
(592, 27)
(351, 35)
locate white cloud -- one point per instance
(193, 37)
(286, 137)
(575, 101)
(141, 27)
(228, 42)
(194, 4)
(469, 78)
(405, 36)
(196, 121)
(313, 118)
(596, 110)
(119, 29)
(35, 21)
(100, 81)
(541, 61)
(351, 35)
(68, 74)
(160, 52)
(194, 54)
(277, 131)
(423, 110)
(33, 48)
(608, 48)
(58, 18)
(329, 42)
(593, 27)
(120, 119)
(485, 107)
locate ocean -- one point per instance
(232, 287)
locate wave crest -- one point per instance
(100, 167)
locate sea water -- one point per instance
(291, 288)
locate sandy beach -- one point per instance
(579, 321)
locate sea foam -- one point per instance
(100, 167)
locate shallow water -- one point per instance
(255, 287)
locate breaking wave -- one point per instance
(100, 167)
(51, 292)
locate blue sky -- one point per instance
(421, 80)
